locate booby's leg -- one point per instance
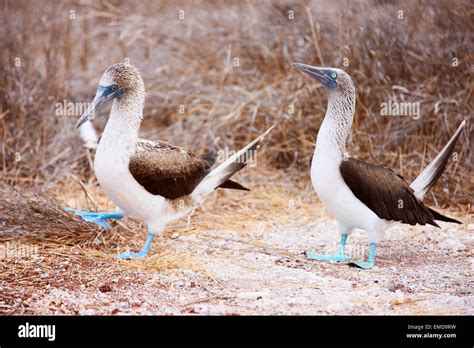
(141, 253)
(98, 218)
(339, 257)
(370, 262)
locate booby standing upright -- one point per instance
(359, 194)
(154, 181)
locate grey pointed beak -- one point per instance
(100, 98)
(320, 74)
(317, 73)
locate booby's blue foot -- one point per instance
(322, 257)
(132, 255)
(362, 264)
(98, 218)
(339, 257)
(141, 253)
(370, 262)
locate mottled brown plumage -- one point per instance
(126, 76)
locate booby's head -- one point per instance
(121, 81)
(332, 79)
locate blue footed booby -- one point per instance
(154, 181)
(361, 195)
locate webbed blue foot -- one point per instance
(369, 263)
(362, 264)
(141, 253)
(339, 257)
(322, 257)
(98, 218)
(132, 255)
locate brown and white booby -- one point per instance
(154, 181)
(359, 194)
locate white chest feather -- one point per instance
(330, 186)
(111, 168)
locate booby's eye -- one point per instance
(114, 87)
(334, 75)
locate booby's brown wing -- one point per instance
(170, 171)
(167, 170)
(386, 193)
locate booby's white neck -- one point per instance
(336, 126)
(121, 132)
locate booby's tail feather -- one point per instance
(441, 217)
(230, 184)
(428, 177)
(220, 175)
(210, 158)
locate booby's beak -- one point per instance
(324, 75)
(103, 95)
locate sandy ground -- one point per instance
(228, 259)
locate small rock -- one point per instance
(196, 309)
(394, 286)
(122, 305)
(105, 288)
(135, 303)
(251, 295)
(180, 284)
(175, 235)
